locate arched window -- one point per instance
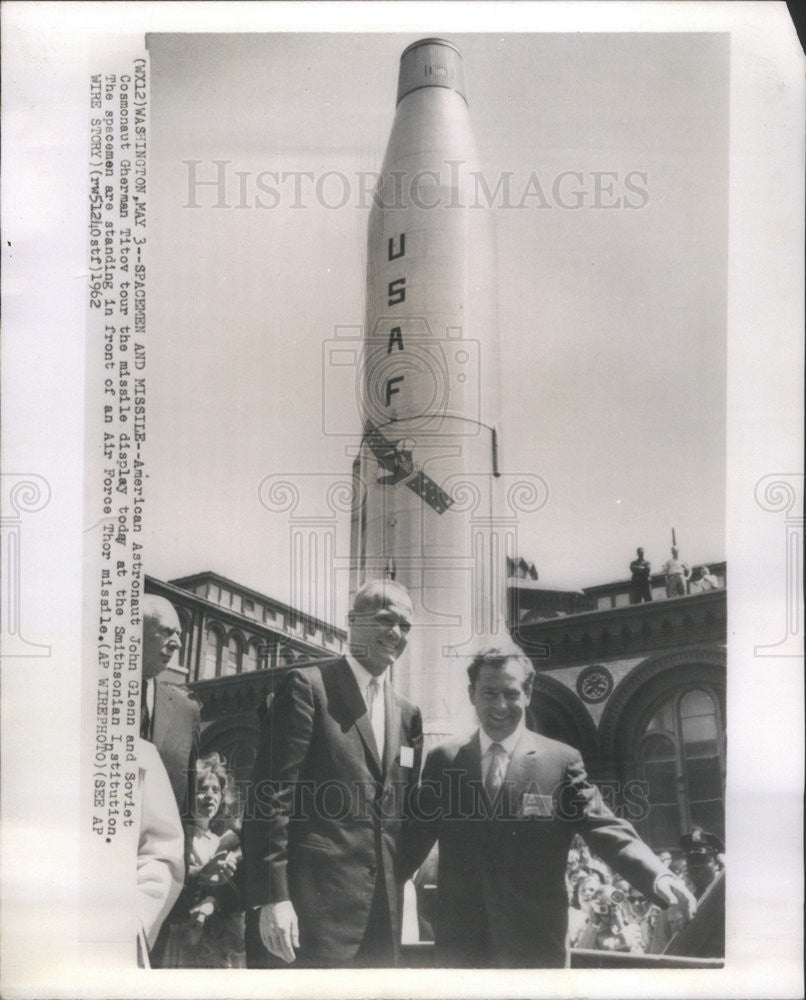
(252, 658)
(187, 633)
(211, 664)
(232, 663)
(660, 773)
(703, 759)
(681, 757)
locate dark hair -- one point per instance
(497, 656)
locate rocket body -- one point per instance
(425, 475)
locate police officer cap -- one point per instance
(701, 843)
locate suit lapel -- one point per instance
(392, 738)
(468, 760)
(172, 738)
(522, 764)
(350, 692)
(469, 757)
(521, 773)
(160, 724)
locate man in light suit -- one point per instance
(339, 756)
(505, 806)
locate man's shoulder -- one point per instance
(450, 748)
(180, 698)
(447, 751)
(548, 747)
(320, 667)
(313, 674)
(407, 708)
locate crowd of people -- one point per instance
(606, 913)
(338, 818)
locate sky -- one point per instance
(611, 315)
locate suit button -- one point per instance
(372, 869)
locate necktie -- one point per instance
(376, 712)
(145, 714)
(145, 720)
(495, 776)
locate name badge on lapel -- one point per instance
(534, 804)
(407, 756)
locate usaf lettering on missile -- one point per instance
(425, 476)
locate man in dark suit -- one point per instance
(169, 718)
(339, 755)
(505, 806)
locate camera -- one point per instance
(607, 901)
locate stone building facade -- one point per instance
(236, 643)
(639, 689)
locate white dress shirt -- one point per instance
(508, 745)
(376, 710)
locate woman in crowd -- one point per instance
(206, 927)
(581, 930)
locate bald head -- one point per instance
(380, 621)
(161, 634)
(379, 593)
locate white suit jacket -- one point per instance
(161, 847)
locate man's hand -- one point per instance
(672, 890)
(279, 929)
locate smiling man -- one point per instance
(505, 806)
(339, 756)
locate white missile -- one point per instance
(425, 474)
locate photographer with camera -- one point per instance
(607, 922)
(580, 921)
(613, 923)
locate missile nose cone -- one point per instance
(431, 62)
